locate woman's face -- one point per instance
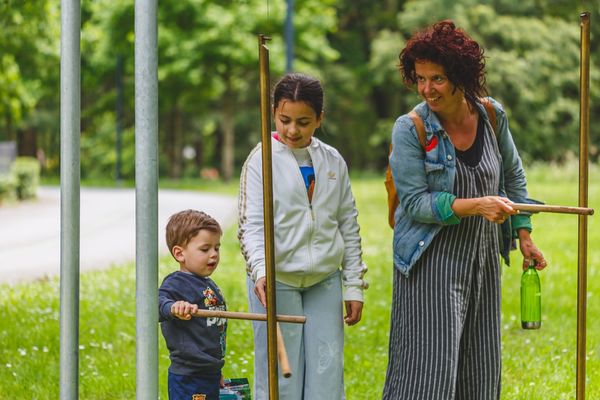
(296, 123)
(435, 87)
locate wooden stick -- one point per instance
(535, 208)
(297, 319)
(284, 363)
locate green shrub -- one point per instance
(27, 173)
(8, 188)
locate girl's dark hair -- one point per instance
(299, 87)
(444, 44)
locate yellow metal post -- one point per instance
(267, 172)
(584, 124)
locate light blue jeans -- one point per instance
(315, 350)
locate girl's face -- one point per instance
(435, 87)
(296, 123)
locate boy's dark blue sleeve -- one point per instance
(165, 300)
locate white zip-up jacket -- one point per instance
(312, 241)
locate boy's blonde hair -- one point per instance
(184, 225)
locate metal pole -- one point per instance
(289, 36)
(146, 198)
(584, 125)
(267, 171)
(70, 116)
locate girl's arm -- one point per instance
(250, 208)
(353, 267)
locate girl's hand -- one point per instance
(183, 310)
(530, 251)
(353, 312)
(260, 290)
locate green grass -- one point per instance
(536, 364)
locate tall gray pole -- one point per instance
(289, 36)
(146, 198)
(70, 112)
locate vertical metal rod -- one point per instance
(70, 116)
(584, 124)
(267, 172)
(289, 36)
(146, 198)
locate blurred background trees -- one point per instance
(208, 76)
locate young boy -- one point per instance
(196, 345)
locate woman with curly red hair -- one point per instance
(456, 181)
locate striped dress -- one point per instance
(445, 323)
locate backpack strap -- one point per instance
(491, 113)
(419, 126)
(393, 201)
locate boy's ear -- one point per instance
(178, 253)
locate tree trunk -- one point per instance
(228, 129)
(173, 143)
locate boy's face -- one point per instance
(200, 255)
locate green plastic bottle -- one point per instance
(531, 298)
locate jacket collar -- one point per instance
(278, 146)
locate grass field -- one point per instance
(536, 364)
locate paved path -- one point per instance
(30, 231)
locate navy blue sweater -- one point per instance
(196, 346)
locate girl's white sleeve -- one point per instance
(251, 221)
(353, 267)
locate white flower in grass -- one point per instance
(8, 365)
(14, 374)
(81, 347)
(45, 349)
(22, 352)
(35, 348)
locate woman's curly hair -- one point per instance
(444, 44)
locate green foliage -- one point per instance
(208, 74)
(27, 173)
(8, 188)
(28, 47)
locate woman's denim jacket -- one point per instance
(425, 183)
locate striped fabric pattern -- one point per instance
(445, 322)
